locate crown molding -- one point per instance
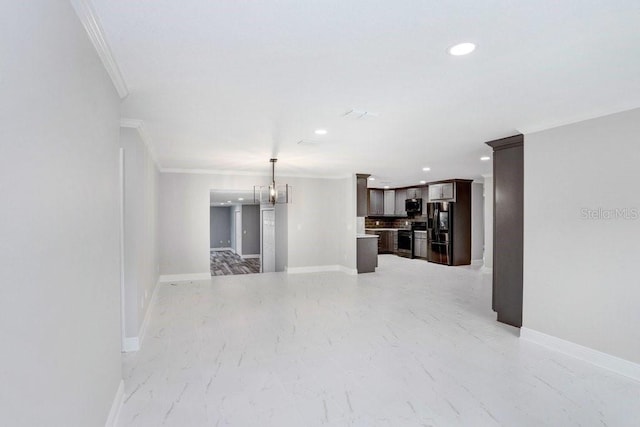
(570, 121)
(248, 173)
(91, 24)
(505, 143)
(139, 126)
(212, 172)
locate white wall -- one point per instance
(580, 275)
(317, 222)
(350, 225)
(282, 237)
(59, 222)
(140, 230)
(477, 221)
(488, 221)
(184, 218)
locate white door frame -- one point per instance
(263, 252)
(122, 291)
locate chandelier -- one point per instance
(273, 193)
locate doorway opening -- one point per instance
(234, 232)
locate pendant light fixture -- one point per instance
(273, 194)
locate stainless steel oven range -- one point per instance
(406, 239)
(405, 243)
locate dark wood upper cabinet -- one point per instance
(376, 202)
(414, 193)
(443, 192)
(508, 224)
(401, 197)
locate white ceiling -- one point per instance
(225, 85)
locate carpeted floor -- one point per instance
(225, 263)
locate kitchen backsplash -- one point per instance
(388, 222)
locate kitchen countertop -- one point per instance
(367, 236)
(385, 229)
(420, 231)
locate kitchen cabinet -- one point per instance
(392, 242)
(508, 228)
(425, 203)
(414, 193)
(420, 244)
(361, 194)
(460, 223)
(387, 240)
(376, 202)
(401, 197)
(442, 192)
(389, 202)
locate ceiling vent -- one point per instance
(354, 113)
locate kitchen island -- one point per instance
(367, 253)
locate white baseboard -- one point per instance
(166, 278)
(319, 269)
(114, 413)
(595, 357)
(312, 269)
(131, 344)
(349, 271)
(147, 316)
(250, 256)
(220, 249)
(134, 343)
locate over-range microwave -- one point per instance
(413, 206)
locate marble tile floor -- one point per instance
(414, 344)
(224, 263)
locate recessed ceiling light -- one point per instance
(240, 198)
(386, 186)
(462, 49)
(423, 182)
(485, 158)
(371, 178)
(426, 169)
(320, 132)
(228, 201)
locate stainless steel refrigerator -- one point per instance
(440, 232)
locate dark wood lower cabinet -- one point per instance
(508, 224)
(420, 245)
